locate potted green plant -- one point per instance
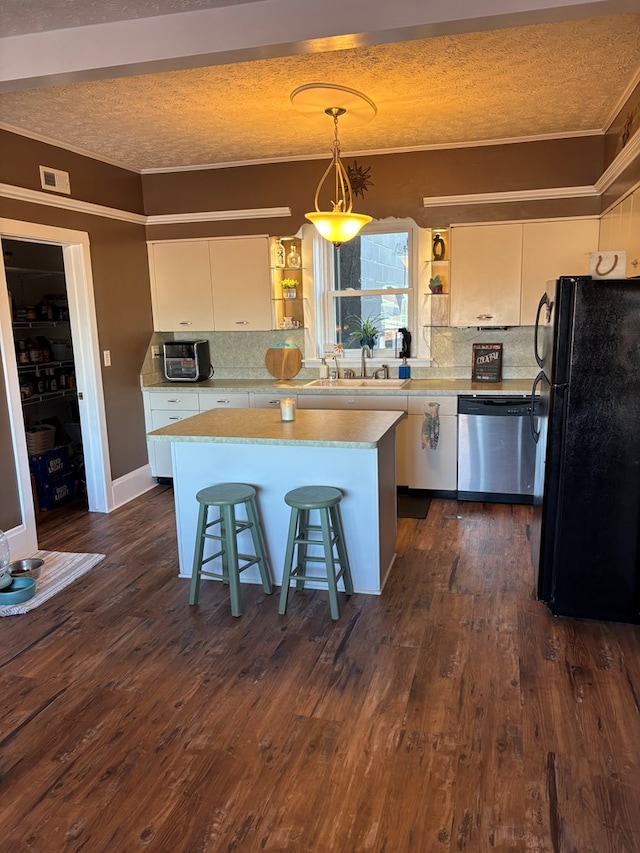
(436, 284)
(289, 286)
(365, 330)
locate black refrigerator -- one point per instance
(586, 514)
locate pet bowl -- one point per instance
(29, 568)
(5, 576)
(21, 589)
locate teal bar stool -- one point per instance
(327, 535)
(226, 497)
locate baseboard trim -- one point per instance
(131, 486)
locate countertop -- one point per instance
(312, 427)
(415, 387)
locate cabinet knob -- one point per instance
(634, 262)
(242, 322)
(185, 323)
(484, 316)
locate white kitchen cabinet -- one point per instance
(240, 284)
(211, 285)
(620, 230)
(425, 468)
(165, 407)
(633, 246)
(181, 286)
(551, 249)
(162, 408)
(486, 270)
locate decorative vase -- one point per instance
(438, 248)
(289, 292)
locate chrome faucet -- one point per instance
(384, 370)
(366, 353)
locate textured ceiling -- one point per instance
(544, 79)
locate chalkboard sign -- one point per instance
(486, 364)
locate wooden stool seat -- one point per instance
(327, 535)
(226, 497)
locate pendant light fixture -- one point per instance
(340, 223)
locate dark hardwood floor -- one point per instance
(453, 713)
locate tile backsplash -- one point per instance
(241, 355)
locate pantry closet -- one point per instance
(46, 372)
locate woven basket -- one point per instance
(40, 438)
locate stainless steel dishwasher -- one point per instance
(496, 450)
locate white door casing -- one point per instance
(84, 334)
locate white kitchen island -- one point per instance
(351, 450)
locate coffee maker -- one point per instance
(187, 361)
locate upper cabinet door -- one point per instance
(181, 286)
(486, 269)
(633, 246)
(552, 249)
(241, 288)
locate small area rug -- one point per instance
(59, 570)
(413, 504)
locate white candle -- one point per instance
(287, 409)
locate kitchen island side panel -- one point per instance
(365, 476)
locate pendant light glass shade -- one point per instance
(339, 224)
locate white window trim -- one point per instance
(419, 273)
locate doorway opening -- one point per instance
(43, 342)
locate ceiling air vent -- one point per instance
(54, 179)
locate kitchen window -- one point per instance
(372, 276)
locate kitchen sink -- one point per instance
(357, 383)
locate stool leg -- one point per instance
(341, 547)
(303, 533)
(330, 563)
(259, 546)
(231, 558)
(194, 589)
(288, 561)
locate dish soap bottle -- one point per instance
(324, 369)
(404, 371)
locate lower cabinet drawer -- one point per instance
(180, 400)
(272, 401)
(223, 400)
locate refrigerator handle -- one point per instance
(544, 300)
(532, 409)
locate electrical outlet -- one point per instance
(106, 357)
(155, 351)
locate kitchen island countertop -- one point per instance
(312, 428)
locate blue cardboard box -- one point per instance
(51, 463)
(56, 491)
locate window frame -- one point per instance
(326, 294)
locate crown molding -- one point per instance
(624, 159)
(517, 195)
(218, 215)
(65, 203)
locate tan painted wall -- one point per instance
(399, 184)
